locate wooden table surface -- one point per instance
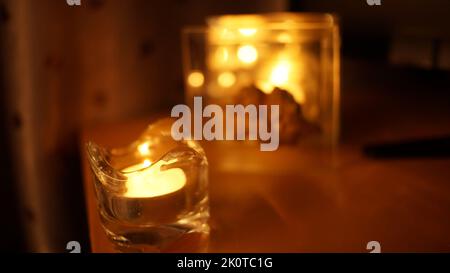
(287, 202)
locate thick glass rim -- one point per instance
(276, 21)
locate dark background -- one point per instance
(63, 68)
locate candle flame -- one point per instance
(285, 74)
(280, 74)
(153, 182)
(247, 54)
(144, 149)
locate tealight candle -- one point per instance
(152, 195)
(146, 180)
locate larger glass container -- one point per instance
(286, 59)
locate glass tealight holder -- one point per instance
(153, 194)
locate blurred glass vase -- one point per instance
(285, 59)
(153, 195)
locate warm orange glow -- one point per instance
(146, 180)
(285, 74)
(233, 29)
(284, 38)
(265, 86)
(221, 57)
(255, 61)
(248, 31)
(144, 149)
(196, 79)
(226, 79)
(280, 73)
(247, 54)
(146, 163)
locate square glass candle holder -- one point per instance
(286, 59)
(153, 195)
